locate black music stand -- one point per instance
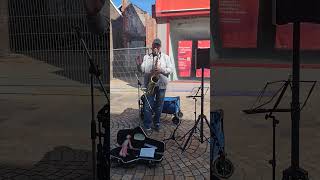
(270, 112)
(204, 56)
(102, 165)
(194, 97)
(274, 124)
(260, 109)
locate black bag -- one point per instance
(139, 140)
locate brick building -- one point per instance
(116, 26)
(138, 28)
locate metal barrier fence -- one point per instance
(43, 29)
(126, 63)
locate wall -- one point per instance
(151, 30)
(117, 23)
(134, 30)
(162, 35)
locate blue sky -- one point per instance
(143, 4)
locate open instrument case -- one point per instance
(139, 140)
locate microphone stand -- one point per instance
(94, 72)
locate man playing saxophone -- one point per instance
(157, 67)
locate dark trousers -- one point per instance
(156, 102)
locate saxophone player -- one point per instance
(155, 64)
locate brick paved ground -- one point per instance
(60, 163)
(193, 164)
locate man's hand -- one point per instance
(156, 71)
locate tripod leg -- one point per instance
(172, 136)
(207, 122)
(186, 134)
(191, 133)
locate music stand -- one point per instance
(274, 124)
(194, 97)
(260, 109)
(270, 112)
(203, 57)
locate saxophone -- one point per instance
(154, 77)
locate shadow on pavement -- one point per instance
(61, 163)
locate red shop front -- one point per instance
(184, 27)
(238, 22)
(187, 58)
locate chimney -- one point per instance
(153, 11)
(125, 20)
(125, 4)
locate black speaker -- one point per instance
(203, 58)
(289, 11)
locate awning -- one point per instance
(170, 8)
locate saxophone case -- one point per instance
(139, 141)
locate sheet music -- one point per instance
(147, 152)
(150, 146)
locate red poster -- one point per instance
(238, 23)
(310, 39)
(184, 58)
(203, 44)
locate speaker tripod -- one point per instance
(200, 119)
(295, 172)
(173, 135)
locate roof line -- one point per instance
(139, 8)
(117, 9)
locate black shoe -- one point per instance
(157, 128)
(148, 131)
